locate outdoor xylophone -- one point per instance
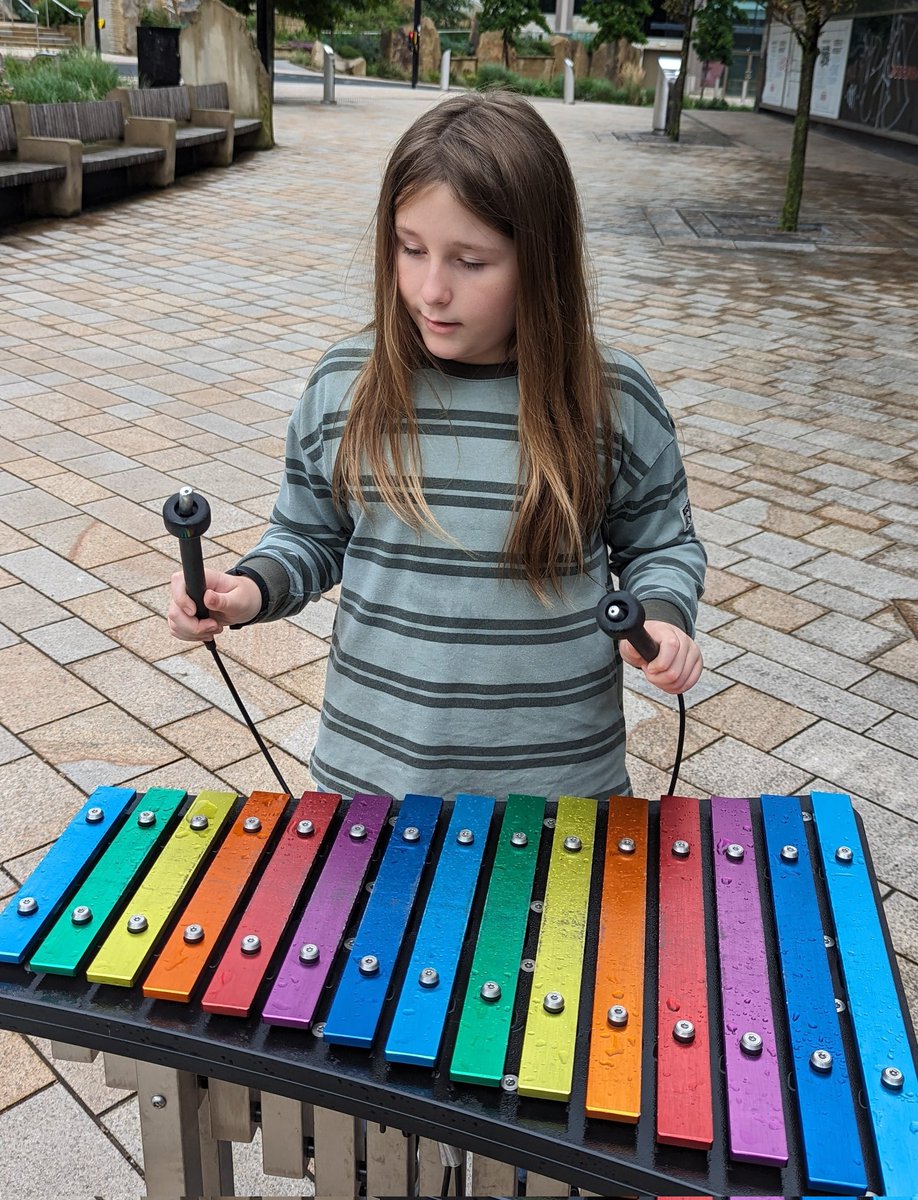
(693, 996)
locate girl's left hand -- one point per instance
(678, 665)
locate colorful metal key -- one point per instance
(547, 1061)
(88, 914)
(755, 1112)
(33, 909)
(200, 925)
(614, 1075)
(140, 923)
(417, 1027)
(822, 1085)
(484, 1027)
(684, 1113)
(888, 1070)
(361, 993)
(308, 961)
(241, 969)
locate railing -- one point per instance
(63, 7)
(23, 8)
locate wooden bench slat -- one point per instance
(13, 173)
(120, 156)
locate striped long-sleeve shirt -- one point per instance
(444, 675)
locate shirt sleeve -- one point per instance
(301, 554)
(653, 549)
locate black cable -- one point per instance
(211, 646)
(679, 744)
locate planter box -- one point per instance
(534, 67)
(158, 63)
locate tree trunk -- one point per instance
(674, 118)
(506, 52)
(793, 192)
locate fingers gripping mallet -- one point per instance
(621, 616)
(187, 516)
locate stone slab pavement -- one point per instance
(162, 340)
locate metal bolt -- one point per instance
(250, 944)
(626, 845)
(684, 1031)
(349, 943)
(309, 953)
(821, 1060)
(536, 906)
(549, 822)
(137, 924)
(844, 854)
(681, 848)
(146, 818)
(198, 821)
(573, 843)
(429, 977)
(251, 825)
(510, 1083)
(81, 915)
(411, 834)
(789, 854)
(26, 906)
(828, 941)
(751, 1043)
(318, 1030)
(893, 1078)
(840, 1005)
(528, 965)
(553, 1002)
(807, 816)
(305, 828)
(519, 839)
(94, 815)
(735, 852)
(465, 837)
(357, 832)
(368, 965)
(617, 1016)
(158, 1101)
(490, 990)
(193, 933)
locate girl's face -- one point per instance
(457, 277)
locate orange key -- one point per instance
(198, 930)
(614, 1074)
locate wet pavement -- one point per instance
(162, 341)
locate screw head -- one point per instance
(368, 965)
(626, 845)
(146, 818)
(411, 834)
(465, 837)
(681, 848)
(751, 1043)
(429, 977)
(158, 1101)
(94, 815)
(735, 852)
(684, 1031)
(893, 1079)
(844, 854)
(573, 843)
(528, 965)
(553, 1002)
(789, 854)
(318, 1030)
(821, 1060)
(309, 952)
(198, 821)
(510, 1083)
(357, 832)
(305, 828)
(27, 906)
(617, 1016)
(840, 1005)
(137, 923)
(828, 941)
(519, 838)
(81, 915)
(490, 990)
(251, 825)
(193, 933)
(250, 944)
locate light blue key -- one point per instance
(887, 1066)
(417, 1027)
(38, 901)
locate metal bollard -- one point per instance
(568, 81)
(444, 70)
(328, 81)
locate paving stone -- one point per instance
(898, 731)
(272, 647)
(67, 641)
(38, 804)
(307, 683)
(811, 660)
(853, 638)
(751, 716)
(712, 527)
(86, 1080)
(253, 774)
(106, 610)
(33, 689)
(50, 574)
(732, 768)
(892, 838)
(901, 913)
(139, 572)
(841, 599)
(770, 574)
(891, 690)
(150, 639)
(772, 517)
(773, 548)
(774, 608)
(198, 672)
(901, 660)
(862, 577)
(317, 618)
(86, 542)
(139, 688)
(132, 519)
(23, 1073)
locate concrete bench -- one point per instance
(108, 140)
(47, 169)
(216, 96)
(209, 133)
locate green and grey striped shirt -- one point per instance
(446, 676)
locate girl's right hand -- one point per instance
(230, 600)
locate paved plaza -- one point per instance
(162, 341)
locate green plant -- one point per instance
(50, 14)
(533, 47)
(157, 17)
(509, 17)
(76, 75)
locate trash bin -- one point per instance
(667, 74)
(158, 62)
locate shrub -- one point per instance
(76, 75)
(533, 47)
(57, 16)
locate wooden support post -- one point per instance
(338, 1148)
(285, 1125)
(391, 1161)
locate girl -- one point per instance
(469, 470)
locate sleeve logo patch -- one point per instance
(687, 523)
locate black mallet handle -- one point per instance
(187, 516)
(621, 615)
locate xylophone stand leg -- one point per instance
(181, 1157)
(488, 1177)
(285, 1126)
(391, 1161)
(64, 1052)
(433, 1160)
(339, 1146)
(541, 1185)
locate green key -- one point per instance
(87, 915)
(484, 1027)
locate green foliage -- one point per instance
(458, 41)
(156, 16)
(76, 75)
(323, 16)
(533, 47)
(447, 14)
(713, 36)
(491, 76)
(50, 14)
(617, 19)
(509, 17)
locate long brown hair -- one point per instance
(503, 163)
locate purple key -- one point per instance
(755, 1113)
(305, 968)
